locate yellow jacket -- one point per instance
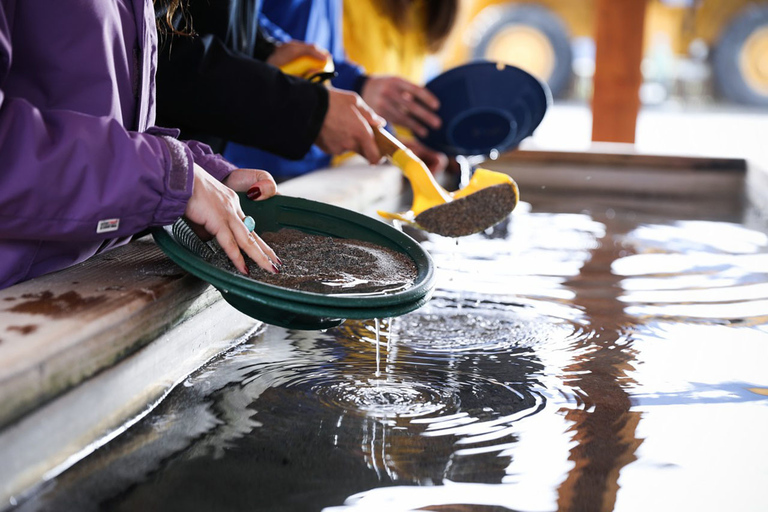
(374, 42)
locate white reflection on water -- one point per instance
(703, 263)
(705, 236)
(532, 256)
(734, 311)
(685, 363)
(455, 494)
(696, 270)
(713, 458)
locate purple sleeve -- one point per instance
(62, 173)
(202, 154)
(212, 162)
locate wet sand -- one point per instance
(324, 264)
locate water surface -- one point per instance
(589, 354)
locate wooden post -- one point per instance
(619, 51)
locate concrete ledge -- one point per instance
(87, 350)
(53, 437)
(354, 185)
(62, 328)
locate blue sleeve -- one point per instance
(351, 77)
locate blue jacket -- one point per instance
(313, 21)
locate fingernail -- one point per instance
(277, 270)
(247, 272)
(279, 261)
(254, 193)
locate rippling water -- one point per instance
(582, 356)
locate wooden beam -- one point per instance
(619, 49)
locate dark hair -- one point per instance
(437, 17)
(166, 12)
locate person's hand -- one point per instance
(215, 208)
(402, 103)
(435, 161)
(348, 126)
(292, 50)
(257, 184)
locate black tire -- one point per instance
(728, 74)
(537, 17)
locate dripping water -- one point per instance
(378, 348)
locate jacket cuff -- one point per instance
(215, 164)
(315, 121)
(359, 83)
(265, 44)
(179, 180)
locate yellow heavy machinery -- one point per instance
(538, 36)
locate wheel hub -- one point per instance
(753, 60)
(524, 47)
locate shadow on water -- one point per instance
(299, 421)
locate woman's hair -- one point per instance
(172, 16)
(437, 17)
(165, 10)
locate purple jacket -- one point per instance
(81, 166)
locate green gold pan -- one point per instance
(298, 309)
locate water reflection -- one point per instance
(567, 362)
(605, 427)
(696, 270)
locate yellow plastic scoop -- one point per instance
(310, 68)
(486, 200)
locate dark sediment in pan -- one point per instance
(328, 265)
(471, 214)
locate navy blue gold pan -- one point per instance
(486, 106)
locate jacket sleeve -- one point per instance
(204, 87)
(212, 162)
(62, 173)
(202, 154)
(350, 77)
